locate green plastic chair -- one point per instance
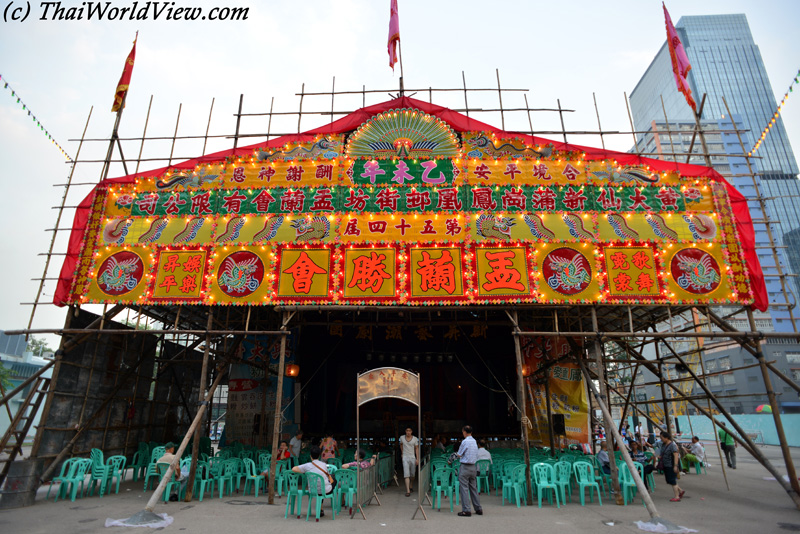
(441, 483)
(203, 478)
(294, 493)
(626, 484)
(544, 476)
(345, 487)
(497, 473)
(251, 475)
(140, 460)
(152, 469)
(563, 472)
(226, 477)
(173, 482)
(316, 494)
(115, 468)
(99, 472)
(483, 474)
(516, 484)
(240, 472)
(281, 468)
(584, 474)
(264, 460)
(76, 476)
(67, 472)
(336, 462)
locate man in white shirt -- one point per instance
(410, 446)
(695, 453)
(318, 467)
(296, 443)
(483, 454)
(603, 459)
(169, 458)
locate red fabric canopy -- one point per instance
(459, 123)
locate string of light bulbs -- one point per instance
(775, 116)
(34, 119)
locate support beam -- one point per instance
(648, 501)
(776, 414)
(151, 504)
(602, 399)
(276, 425)
(198, 433)
(524, 422)
(743, 439)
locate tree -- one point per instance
(5, 377)
(38, 346)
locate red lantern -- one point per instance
(526, 370)
(292, 370)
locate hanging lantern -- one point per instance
(292, 370)
(526, 370)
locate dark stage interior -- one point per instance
(463, 369)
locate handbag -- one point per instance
(332, 480)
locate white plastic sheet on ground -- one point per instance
(165, 522)
(661, 528)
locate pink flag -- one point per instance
(394, 34)
(680, 63)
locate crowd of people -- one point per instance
(668, 456)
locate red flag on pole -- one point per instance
(125, 79)
(680, 62)
(394, 34)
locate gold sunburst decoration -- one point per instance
(403, 133)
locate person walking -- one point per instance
(728, 446)
(670, 461)
(410, 458)
(468, 473)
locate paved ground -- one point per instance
(753, 505)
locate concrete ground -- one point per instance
(752, 505)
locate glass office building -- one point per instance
(727, 67)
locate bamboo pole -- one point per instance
(648, 501)
(708, 403)
(276, 425)
(523, 423)
(743, 439)
(602, 398)
(198, 432)
(195, 423)
(776, 415)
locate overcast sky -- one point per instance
(564, 50)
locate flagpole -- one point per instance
(114, 137)
(115, 131)
(400, 56)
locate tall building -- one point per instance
(727, 67)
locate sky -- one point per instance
(66, 71)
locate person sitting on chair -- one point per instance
(360, 461)
(183, 473)
(316, 466)
(638, 455)
(602, 458)
(695, 453)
